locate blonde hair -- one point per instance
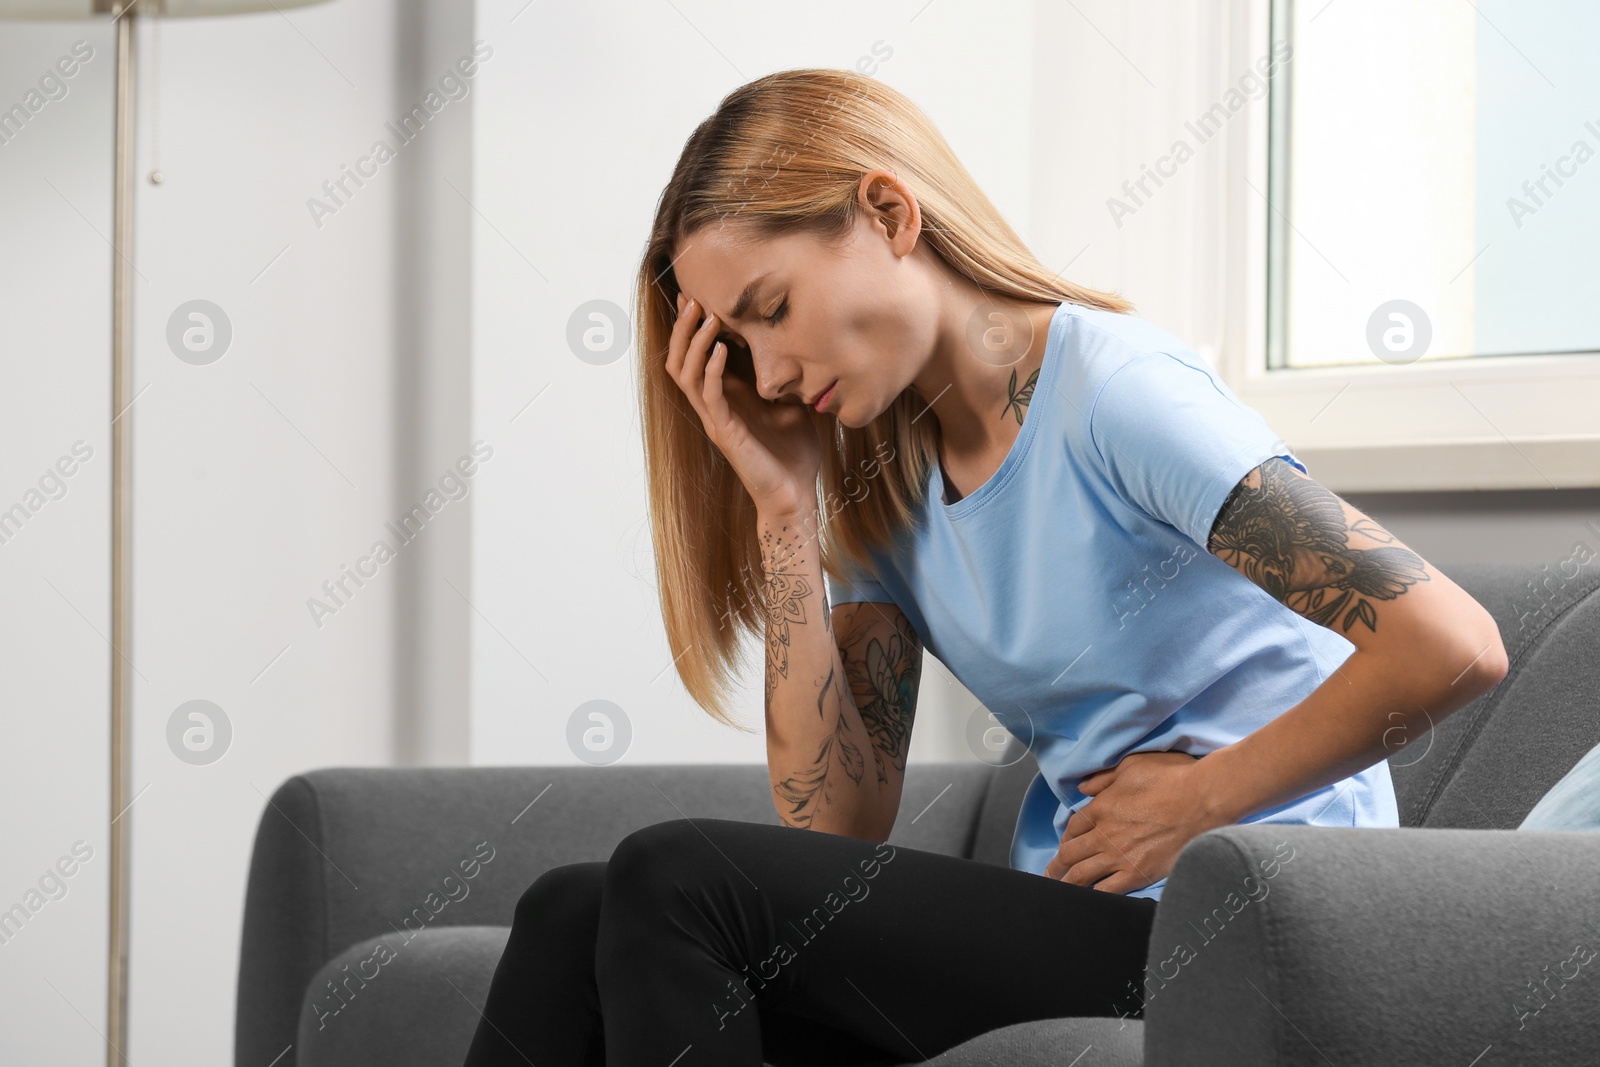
(785, 154)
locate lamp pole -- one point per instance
(121, 538)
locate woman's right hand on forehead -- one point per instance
(773, 447)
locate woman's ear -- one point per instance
(887, 201)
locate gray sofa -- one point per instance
(379, 899)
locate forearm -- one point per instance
(817, 745)
(1370, 707)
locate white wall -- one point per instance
(339, 403)
(259, 475)
(55, 363)
(1123, 90)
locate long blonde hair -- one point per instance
(785, 154)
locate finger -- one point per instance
(1092, 871)
(1119, 882)
(1064, 858)
(689, 347)
(1077, 823)
(715, 403)
(1060, 870)
(674, 340)
(1080, 850)
(696, 354)
(683, 329)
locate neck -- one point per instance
(980, 394)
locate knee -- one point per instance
(653, 861)
(654, 847)
(655, 884)
(565, 897)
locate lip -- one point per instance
(826, 398)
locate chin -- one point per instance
(867, 420)
(842, 414)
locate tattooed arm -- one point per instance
(1424, 647)
(841, 688)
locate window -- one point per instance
(1412, 286)
(1435, 166)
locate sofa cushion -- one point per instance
(409, 1006)
(413, 1002)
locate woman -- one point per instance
(1063, 503)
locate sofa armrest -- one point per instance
(1294, 944)
(343, 854)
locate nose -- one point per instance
(773, 374)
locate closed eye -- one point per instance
(773, 319)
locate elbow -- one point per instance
(1480, 662)
(1445, 668)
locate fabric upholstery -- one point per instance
(373, 1019)
(1376, 947)
(1487, 764)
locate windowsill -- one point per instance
(1530, 422)
(1529, 463)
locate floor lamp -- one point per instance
(124, 14)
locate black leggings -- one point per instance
(711, 941)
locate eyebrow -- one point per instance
(742, 305)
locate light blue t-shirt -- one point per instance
(1072, 592)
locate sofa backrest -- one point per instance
(1486, 765)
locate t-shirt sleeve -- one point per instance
(857, 586)
(1174, 440)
